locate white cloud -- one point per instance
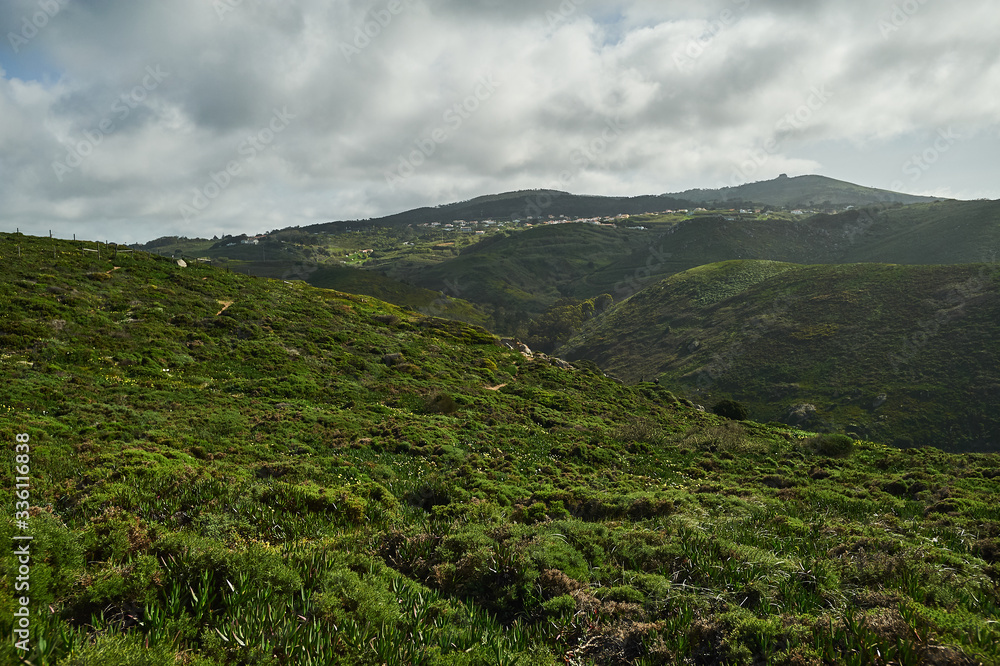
(700, 91)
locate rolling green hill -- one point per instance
(782, 192)
(905, 354)
(528, 270)
(223, 469)
(371, 283)
(800, 192)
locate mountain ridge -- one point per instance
(780, 192)
(802, 191)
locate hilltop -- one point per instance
(800, 192)
(520, 205)
(900, 354)
(227, 469)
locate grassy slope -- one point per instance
(233, 470)
(528, 269)
(938, 233)
(370, 283)
(774, 335)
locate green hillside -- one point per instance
(800, 192)
(529, 270)
(904, 354)
(371, 283)
(224, 469)
(950, 232)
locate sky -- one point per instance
(127, 121)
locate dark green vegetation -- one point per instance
(513, 274)
(520, 205)
(800, 192)
(523, 273)
(529, 270)
(233, 470)
(370, 283)
(907, 355)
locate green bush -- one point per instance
(731, 409)
(831, 445)
(559, 606)
(623, 594)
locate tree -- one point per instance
(731, 409)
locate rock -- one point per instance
(800, 414)
(182, 263)
(879, 401)
(515, 345)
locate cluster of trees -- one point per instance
(562, 320)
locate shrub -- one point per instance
(563, 605)
(623, 594)
(731, 409)
(442, 403)
(831, 445)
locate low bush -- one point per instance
(837, 446)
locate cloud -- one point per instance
(695, 93)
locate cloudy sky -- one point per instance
(127, 120)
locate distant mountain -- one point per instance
(801, 192)
(521, 205)
(898, 354)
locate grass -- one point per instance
(277, 482)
